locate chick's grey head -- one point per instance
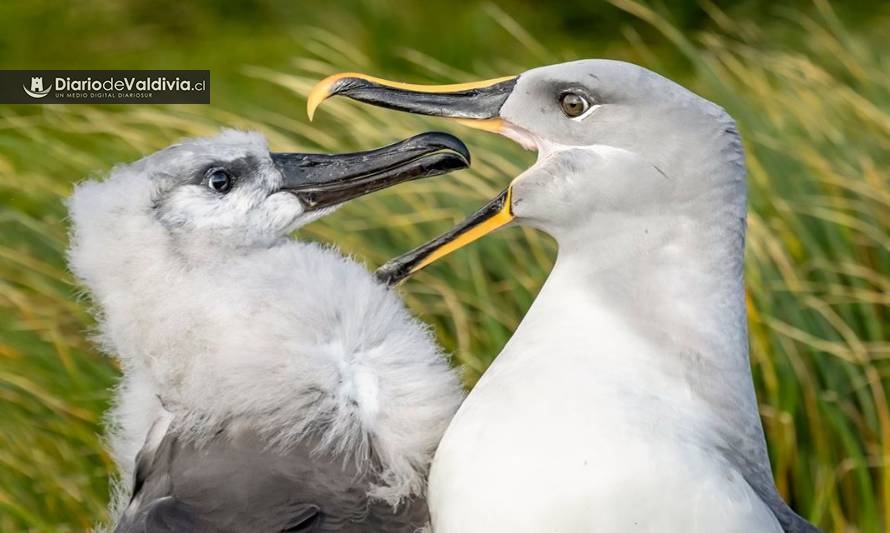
(231, 190)
(225, 189)
(612, 138)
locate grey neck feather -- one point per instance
(681, 267)
(674, 277)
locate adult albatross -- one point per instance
(624, 401)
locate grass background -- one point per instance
(808, 82)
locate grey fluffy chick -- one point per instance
(268, 384)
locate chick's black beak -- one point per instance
(321, 180)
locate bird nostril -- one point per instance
(309, 199)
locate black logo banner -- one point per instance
(105, 86)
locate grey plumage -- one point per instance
(235, 482)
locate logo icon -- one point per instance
(37, 90)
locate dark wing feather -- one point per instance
(167, 515)
(760, 479)
(236, 483)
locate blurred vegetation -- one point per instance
(809, 84)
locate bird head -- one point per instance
(612, 137)
(231, 190)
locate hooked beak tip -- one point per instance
(388, 275)
(319, 93)
(327, 88)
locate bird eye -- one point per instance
(219, 180)
(573, 104)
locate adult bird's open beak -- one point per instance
(493, 215)
(476, 104)
(320, 180)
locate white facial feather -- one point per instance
(213, 309)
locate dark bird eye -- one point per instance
(573, 104)
(219, 180)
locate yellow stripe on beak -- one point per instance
(500, 219)
(495, 214)
(494, 125)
